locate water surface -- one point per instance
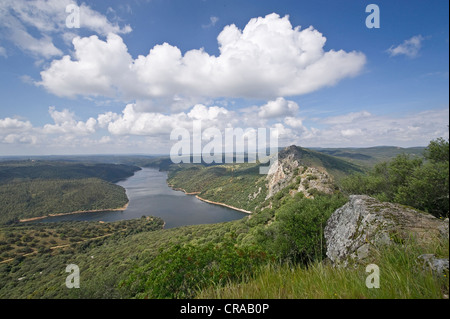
(149, 195)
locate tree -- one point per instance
(438, 151)
(422, 183)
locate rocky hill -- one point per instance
(309, 171)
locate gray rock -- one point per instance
(365, 223)
(437, 265)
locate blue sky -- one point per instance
(136, 70)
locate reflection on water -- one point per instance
(149, 195)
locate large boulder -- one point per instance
(364, 223)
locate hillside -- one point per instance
(31, 188)
(43, 197)
(279, 251)
(241, 185)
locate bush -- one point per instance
(297, 233)
(181, 271)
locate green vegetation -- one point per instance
(32, 188)
(238, 185)
(101, 250)
(422, 183)
(28, 239)
(277, 252)
(296, 234)
(36, 198)
(241, 185)
(402, 276)
(183, 270)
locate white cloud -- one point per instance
(278, 108)
(65, 123)
(139, 131)
(201, 112)
(134, 122)
(99, 67)
(15, 131)
(267, 59)
(365, 129)
(19, 20)
(409, 47)
(97, 22)
(39, 47)
(293, 122)
(10, 124)
(104, 119)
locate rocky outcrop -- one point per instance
(365, 223)
(288, 170)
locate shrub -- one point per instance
(297, 233)
(181, 271)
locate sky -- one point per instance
(118, 77)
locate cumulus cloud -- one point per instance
(409, 47)
(65, 123)
(138, 131)
(293, 122)
(201, 112)
(15, 131)
(278, 108)
(267, 59)
(10, 124)
(135, 122)
(98, 67)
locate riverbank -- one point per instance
(75, 212)
(183, 190)
(224, 205)
(209, 201)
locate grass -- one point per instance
(402, 276)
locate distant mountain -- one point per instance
(37, 169)
(369, 156)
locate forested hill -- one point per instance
(37, 169)
(33, 188)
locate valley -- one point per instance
(140, 256)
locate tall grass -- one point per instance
(402, 276)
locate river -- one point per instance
(149, 195)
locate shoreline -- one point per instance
(75, 212)
(209, 201)
(224, 205)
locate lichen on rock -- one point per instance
(365, 223)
